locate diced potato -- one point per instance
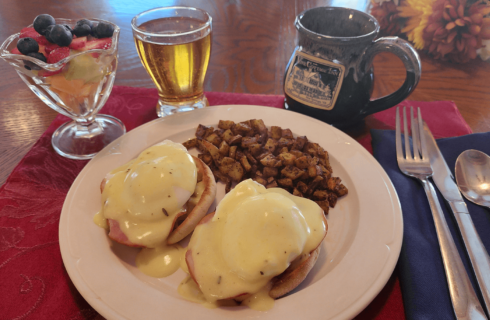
(226, 165)
(276, 132)
(284, 150)
(248, 141)
(287, 158)
(320, 195)
(191, 143)
(296, 153)
(303, 187)
(242, 128)
(300, 143)
(224, 148)
(225, 124)
(332, 199)
(236, 140)
(213, 151)
(236, 172)
(270, 145)
(332, 183)
(228, 135)
(270, 172)
(286, 133)
(258, 126)
(314, 184)
(314, 171)
(285, 142)
(245, 164)
(341, 190)
(285, 182)
(214, 139)
(232, 153)
(269, 161)
(292, 172)
(250, 158)
(302, 162)
(255, 149)
(313, 161)
(203, 131)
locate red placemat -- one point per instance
(33, 281)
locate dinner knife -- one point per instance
(444, 181)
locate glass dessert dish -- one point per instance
(76, 86)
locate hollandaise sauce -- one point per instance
(161, 261)
(254, 236)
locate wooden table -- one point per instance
(252, 42)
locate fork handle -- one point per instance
(463, 297)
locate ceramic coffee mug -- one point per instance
(330, 74)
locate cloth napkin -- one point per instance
(421, 271)
(33, 281)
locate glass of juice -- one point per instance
(174, 45)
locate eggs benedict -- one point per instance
(259, 245)
(157, 198)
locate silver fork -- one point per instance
(464, 300)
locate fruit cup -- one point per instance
(76, 86)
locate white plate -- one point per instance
(358, 255)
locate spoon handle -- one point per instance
(480, 260)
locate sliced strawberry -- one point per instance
(104, 43)
(78, 43)
(50, 47)
(58, 54)
(31, 33)
(28, 32)
(15, 51)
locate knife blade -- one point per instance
(444, 180)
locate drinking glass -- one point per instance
(77, 87)
(174, 45)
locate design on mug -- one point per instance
(313, 81)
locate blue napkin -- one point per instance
(422, 279)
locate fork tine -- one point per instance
(398, 136)
(415, 136)
(408, 153)
(424, 152)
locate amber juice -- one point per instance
(178, 70)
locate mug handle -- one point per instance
(403, 50)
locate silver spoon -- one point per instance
(473, 176)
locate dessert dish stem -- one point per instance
(83, 140)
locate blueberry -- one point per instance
(86, 22)
(42, 21)
(32, 66)
(47, 32)
(67, 27)
(27, 45)
(104, 30)
(60, 35)
(82, 30)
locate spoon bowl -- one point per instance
(472, 174)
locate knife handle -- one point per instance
(476, 250)
(463, 297)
